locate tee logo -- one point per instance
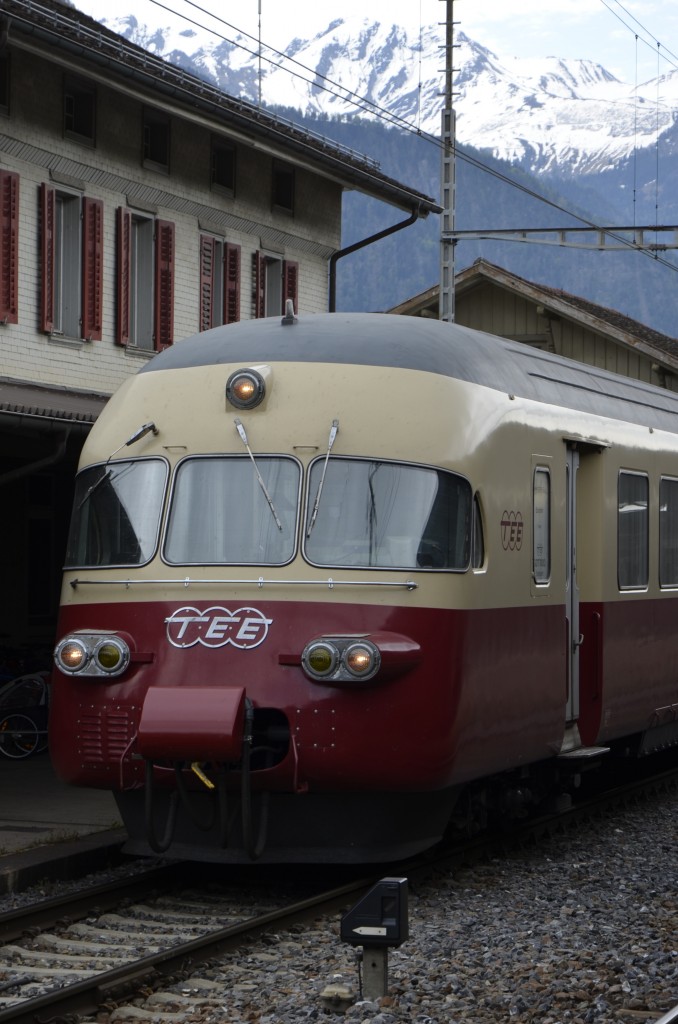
(215, 627)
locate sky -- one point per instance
(634, 39)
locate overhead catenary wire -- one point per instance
(318, 80)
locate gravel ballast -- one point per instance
(580, 927)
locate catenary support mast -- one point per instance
(447, 199)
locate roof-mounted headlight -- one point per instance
(245, 389)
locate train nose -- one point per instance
(192, 724)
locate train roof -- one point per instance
(415, 343)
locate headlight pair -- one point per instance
(92, 654)
(341, 660)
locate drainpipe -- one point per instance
(360, 245)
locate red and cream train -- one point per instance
(327, 575)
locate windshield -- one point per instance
(116, 513)
(389, 515)
(220, 513)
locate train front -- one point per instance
(245, 655)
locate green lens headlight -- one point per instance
(320, 659)
(112, 655)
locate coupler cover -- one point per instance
(192, 724)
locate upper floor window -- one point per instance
(283, 187)
(219, 282)
(71, 257)
(632, 530)
(145, 281)
(275, 281)
(9, 247)
(222, 171)
(79, 110)
(156, 140)
(4, 83)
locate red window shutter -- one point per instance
(92, 268)
(232, 284)
(164, 284)
(47, 232)
(123, 219)
(9, 247)
(259, 278)
(207, 247)
(290, 273)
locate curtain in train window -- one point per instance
(541, 526)
(367, 513)
(632, 530)
(668, 532)
(224, 511)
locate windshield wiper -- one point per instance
(243, 437)
(334, 430)
(136, 436)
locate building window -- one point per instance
(156, 140)
(668, 532)
(222, 173)
(9, 247)
(145, 281)
(219, 282)
(275, 281)
(283, 187)
(632, 530)
(4, 83)
(79, 111)
(71, 264)
(541, 526)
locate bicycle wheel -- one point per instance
(19, 736)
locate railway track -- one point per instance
(71, 956)
(99, 947)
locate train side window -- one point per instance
(668, 532)
(477, 538)
(541, 525)
(632, 530)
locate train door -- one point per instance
(574, 637)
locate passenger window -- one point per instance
(541, 526)
(632, 530)
(477, 539)
(668, 532)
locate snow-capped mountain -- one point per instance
(547, 115)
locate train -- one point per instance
(336, 584)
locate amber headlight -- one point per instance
(245, 389)
(92, 654)
(71, 655)
(341, 659)
(361, 660)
